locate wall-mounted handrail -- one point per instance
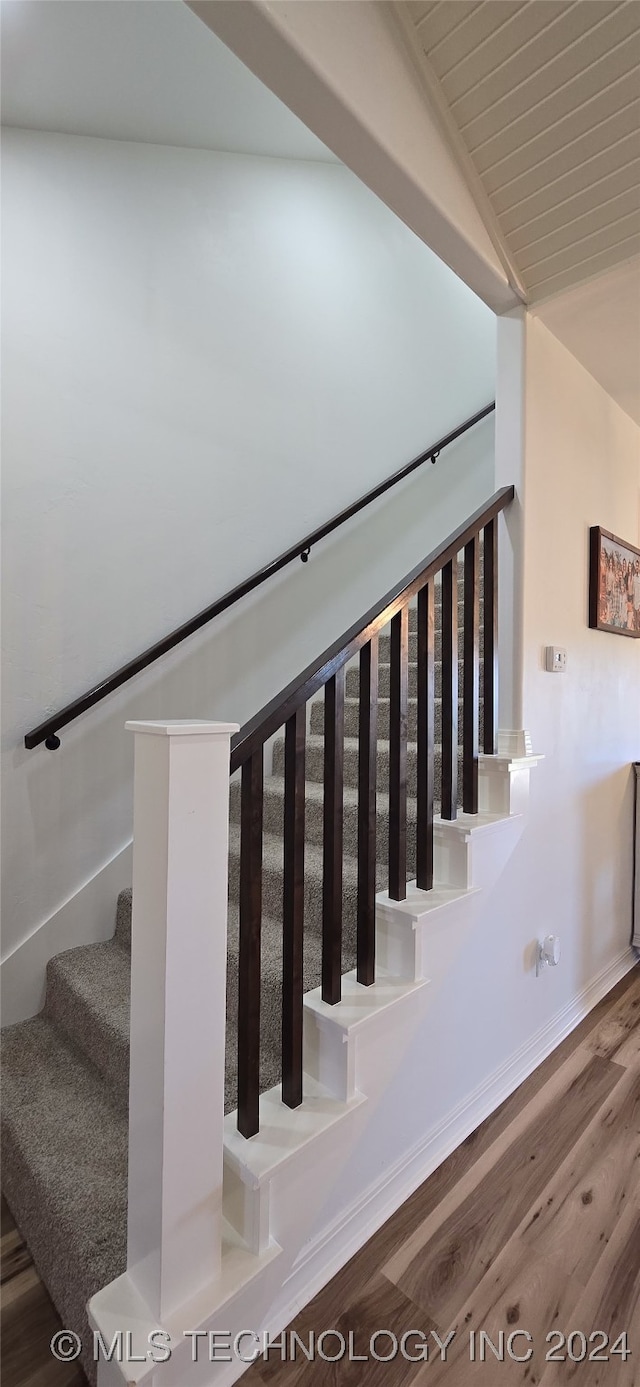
(47, 731)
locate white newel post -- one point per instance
(178, 977)
(510, 468)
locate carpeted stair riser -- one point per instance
(272, 883)
(273, 812)
(413, 611)
(271, 1011)
(314, 762)
(384, 645)
(88, 998)
(123, 918)
(270, 999)
(75, 998)
(384, 680)
(352, 715)
(108, 1048)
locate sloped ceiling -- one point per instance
(139, 71)
(542, 98)
(599, 323)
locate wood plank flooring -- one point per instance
(28, 1320)
(532, 1225)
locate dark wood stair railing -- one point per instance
(293, 907)
(332, 826)
(288, 710)
(490, 627)
(48, 730)
(249, 973)
(367, 820)
(471, 676)
(398, 708)
(425, 742)
(449, 800)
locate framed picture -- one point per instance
(614, 584)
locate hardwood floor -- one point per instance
(28, 1320)
(531, 1226)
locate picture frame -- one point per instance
(614, 584)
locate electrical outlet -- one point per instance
(548, 955)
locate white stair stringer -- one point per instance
(290, 1142)
(338, 1039)
(276, 1183)
(406, 930)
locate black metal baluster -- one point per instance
(490, 624)
(449, 809)
(293, 907)
(426, 738)
(471, 677)
(367, 823)
(398, 755)
(249, 949)
(333, 815)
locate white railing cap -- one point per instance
(184, 727)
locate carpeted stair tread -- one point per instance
(272, 881)
(352, 715)
(314, 793)
(384, 645)
(273, 813)
(271, 990)
(384, 679)
(273, 851)
(271, 951)
(352, 742)
(314, 768)
(413, 610)
(64, 1166)
(87, 996)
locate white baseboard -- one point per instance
(328, 1252)
(325, 1255)
(87, 918)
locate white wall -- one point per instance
(582, 469)
(204, 357)
(347, 71)
(489, 1020)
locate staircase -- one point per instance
(66, 1071)
(272, 879)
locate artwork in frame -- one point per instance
(614, 584)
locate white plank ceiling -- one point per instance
(543, 98)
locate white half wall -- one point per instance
(205, 356)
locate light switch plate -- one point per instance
(555, 659)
